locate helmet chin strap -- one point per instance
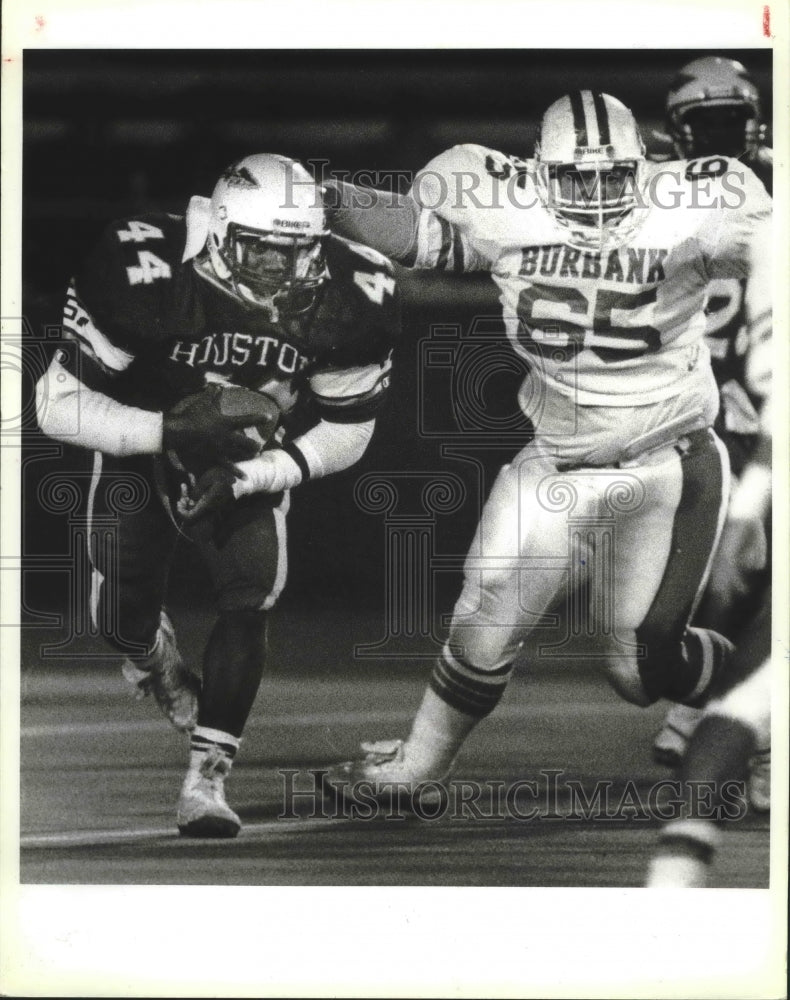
(205, 268)
(264, 302)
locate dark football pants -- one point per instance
(133, 538)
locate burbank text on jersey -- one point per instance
(604, 264)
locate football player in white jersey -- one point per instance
(713, 107)
(602, 261)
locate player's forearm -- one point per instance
(324, 449)
(328, 447)
(379, 219)
(68, 411)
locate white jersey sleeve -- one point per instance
(451, 190)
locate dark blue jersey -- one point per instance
(153, 328)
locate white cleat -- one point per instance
(175, 688)
(669, 746)
(760, 781)
(385, 773)
(202, 809)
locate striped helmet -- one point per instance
(590, 158)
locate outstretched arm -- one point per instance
(380, 219)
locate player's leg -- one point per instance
(246, 555)
(130, 566)
(662, 554)
(672, 739)
(517, 563)
(713, 613)
(718, 754)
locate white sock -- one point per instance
(437, 734)
(203, 739)
(683, 718)
(677, 871)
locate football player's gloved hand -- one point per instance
(211, 493)
(208, 426)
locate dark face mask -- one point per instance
(718, 131)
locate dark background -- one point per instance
(112, 132)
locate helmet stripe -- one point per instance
(579, 124)
(593, 138)
(603, 118)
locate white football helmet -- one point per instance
(266, 224)
(590, 161)
(713, 109)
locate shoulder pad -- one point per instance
(468, 176)
(359, 318)
(734, 175)
(709, 167)
(126, 282)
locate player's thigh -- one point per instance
(520, 554)
(642, 542)
(247, 554)
(131, 537)
(663, 548)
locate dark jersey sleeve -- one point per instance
(357, 327)
(120, 298)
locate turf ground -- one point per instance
(101, 775)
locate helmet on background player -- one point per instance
(266, 225)
(590, 161)
(713, 109)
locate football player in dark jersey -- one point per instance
(216, 360)
(713, 109)
(735, 725)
